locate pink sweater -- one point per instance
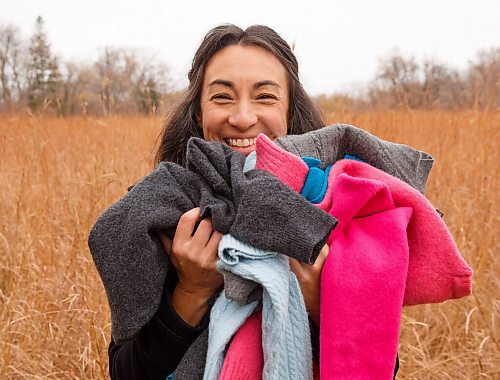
(436, 270)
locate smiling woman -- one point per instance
(245, 92)
(250, 73)
(242, 83)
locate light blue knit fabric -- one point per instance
(250, 162)
(286, 339)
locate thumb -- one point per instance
(323, 254)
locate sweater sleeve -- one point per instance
(158, 348)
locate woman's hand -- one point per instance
(309, 277)
(194, 257)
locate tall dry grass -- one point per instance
(58, 175)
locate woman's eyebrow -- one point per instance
(256, 85)
(263, 83)
(222, 82)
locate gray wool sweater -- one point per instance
(330, 144)
(254, 207)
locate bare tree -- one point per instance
(402, 81)
(483, 80)
(149, 84)
(442, 86)
(10, 66)
(399, 77)
(129, 83)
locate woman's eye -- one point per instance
(267, 97)
(221, 97)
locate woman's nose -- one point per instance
(242, 116)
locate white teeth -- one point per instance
(241, 142)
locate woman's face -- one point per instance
(244, 93)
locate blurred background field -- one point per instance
(58, 174)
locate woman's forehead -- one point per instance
(242, 63)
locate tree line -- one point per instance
(122, 81)
(402, 82)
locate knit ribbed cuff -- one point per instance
(285, 166)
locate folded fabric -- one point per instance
(129, 256)
(306, 177)
(363, 278)
(362, 285)
(330, 144)
(363, 282)
(286, 340)
(316, 182)
(436, 270)
(419, 164)
(244, 358)
(238, 288)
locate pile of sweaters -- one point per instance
(341, 186)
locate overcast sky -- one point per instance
(338, 43)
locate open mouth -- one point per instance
(241, 143)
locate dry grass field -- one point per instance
(58, 175)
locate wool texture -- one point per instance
(436, 270)
(285, 329)
(330, 144)
(360, 307)
(244, 358)
(238, 288)
(363, 281)
(295, 176)
(130, 258)
(316, 182)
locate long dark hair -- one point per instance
(181, 123)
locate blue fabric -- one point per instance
(170, 377)
(350, 157)
(312, 162)
(250, 162)
(286, 340)
(316, 182)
